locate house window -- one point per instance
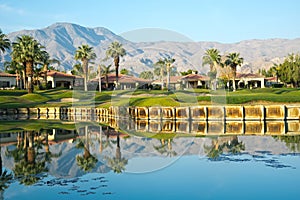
(4, 84)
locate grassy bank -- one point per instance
(61, 97)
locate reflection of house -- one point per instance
(7, 80)
(250, 80)
(60, 79)
(185, 82)
(125, 82)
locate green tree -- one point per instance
(13, 67)
(77, 69)
(165, 64)
(190, 71)
(233, 60)
(289, 70)
(147, 75)
(124, 72)
(85, 53)
(46, 61)
(115, 51)
(212, 58)
(27, 51)
(160, 70)
(4, 42)
(105, 71)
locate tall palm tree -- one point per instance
(85, 53)
(160, 69)
(168, 62)
(105, 71)
(28, 51)
(4, 42)
(233, 60)
(212, 58)
(115, 51)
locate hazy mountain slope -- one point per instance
(62, 39)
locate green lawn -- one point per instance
(50, 98)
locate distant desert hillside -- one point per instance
(62, 39)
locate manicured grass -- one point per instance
(50, 98)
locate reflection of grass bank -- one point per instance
(54, 98)
(34, 125)
(38, 125)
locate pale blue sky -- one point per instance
(201, 20)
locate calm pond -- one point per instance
(53, 159)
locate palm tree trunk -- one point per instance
(162, 78)
(116, 61)
(234, 76)
(29, 73)
(85, 71)
(168, 78)
(99, 78)
(106, 80)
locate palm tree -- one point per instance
(45, 62)
(85, 53)
(165, 64)
(28, 51)
(233, 60)
(146, 75)
(105, 71)
(212, 58)
(15, 68)
(160, 70)
(169, 61)
(115, 51)
(77, 69)
(4, 42)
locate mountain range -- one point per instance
(62, 39)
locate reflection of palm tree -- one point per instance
(227, 144)
(165, 148)
(292, 142)
(117, 164)
(48, 154)
(234, 146)
(27, 163)
(87, 161)
(5, 177)
(214, 150)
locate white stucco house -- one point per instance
(7, 81)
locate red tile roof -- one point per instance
(249, 75)
(3, 74)
(59, 74)
(122, 79)
(195, 77)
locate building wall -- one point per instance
(55, 80)
(7, 82)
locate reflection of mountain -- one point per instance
(132, 147)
